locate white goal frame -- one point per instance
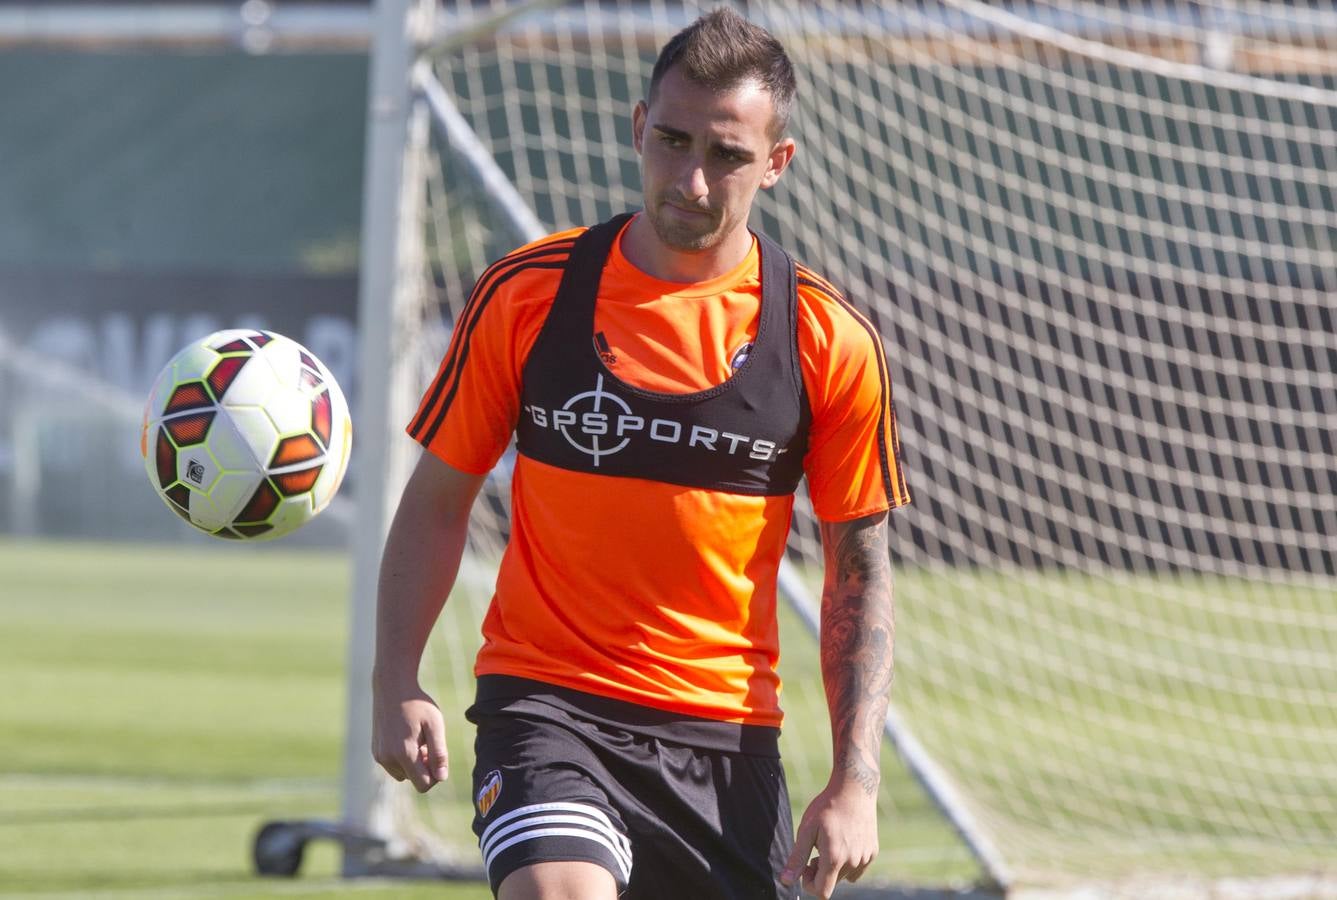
(405, 103)
(401, 86)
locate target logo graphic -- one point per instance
(599, 423)
(593, 416)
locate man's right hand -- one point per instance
(408, 737)
(418, 568)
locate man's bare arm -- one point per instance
(418, 568)
(858, 629)
(840, 824)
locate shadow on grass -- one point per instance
(894, 892)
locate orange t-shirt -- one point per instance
(638, 590)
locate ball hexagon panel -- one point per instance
(231, 340)
(230, 494)
(161, 464)
(256, 429)
(224, 372)
(284, 363)
(296, 450)
(187, 397)
(286, 358)
(296, 482)
(232, 450)
(191, 363)
(253, 383)
(290, 411)
(206, 512)
(192, 428)
(292, 512)
(178, 497)
(331, 475)
(197, 469)
(322, 417)
(261, 505)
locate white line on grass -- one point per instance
(124, 782)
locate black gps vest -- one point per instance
(747, 435)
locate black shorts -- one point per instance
(668, 820)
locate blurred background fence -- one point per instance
(174, 167)
(159, 181)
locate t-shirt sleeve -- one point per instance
(468, 413)
(853, 464)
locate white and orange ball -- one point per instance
(246, 435)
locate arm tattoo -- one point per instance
(857, 633)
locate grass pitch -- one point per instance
(162, 702)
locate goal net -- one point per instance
(1100, 243)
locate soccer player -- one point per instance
(669, 376)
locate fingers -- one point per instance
(418, 774)
(804, 843)
(854, 871)
(821, 860)
(823, 876)
(402, 764)
(432, 752)
(820, 877)
(387, 758)
(409, 743)
(430, 762)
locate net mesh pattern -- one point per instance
(1100, 244)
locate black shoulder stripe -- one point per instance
(551, 256)
(884, 407)
(808, 276)
(462, 356)
(471, 311)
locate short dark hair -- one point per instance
(722, 50)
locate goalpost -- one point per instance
(1101, 245)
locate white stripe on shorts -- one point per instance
(581, 820)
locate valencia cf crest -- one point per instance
(488, 793)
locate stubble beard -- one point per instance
(680, 235)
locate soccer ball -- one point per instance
(246, 435)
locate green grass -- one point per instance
(162, 702)
(159, 705)
(1120, 722)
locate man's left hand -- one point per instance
(840, 824)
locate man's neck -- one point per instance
(644, 250)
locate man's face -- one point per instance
(703, 156)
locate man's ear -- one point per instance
(638, 125)
(781, 155)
